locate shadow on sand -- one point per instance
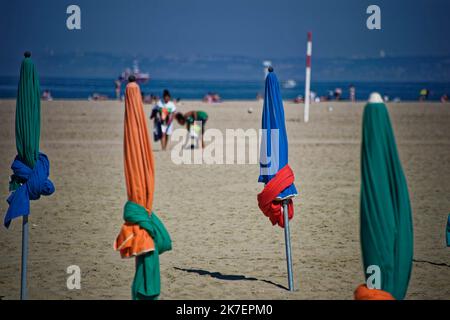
(229, 277)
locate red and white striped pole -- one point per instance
(308, 76)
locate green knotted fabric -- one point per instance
(386, 222)
(147, 284)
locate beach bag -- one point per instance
(157, 131)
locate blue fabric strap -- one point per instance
(35, 183)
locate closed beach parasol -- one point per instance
(386, 223)
(275, 201)
(142, 235)
(30, 167)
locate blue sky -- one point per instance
(182, 29)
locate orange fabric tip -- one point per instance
(364, 293)
(267, 202)
(133, 241)
(139, 172)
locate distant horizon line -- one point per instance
(233, 80)
(301, 55)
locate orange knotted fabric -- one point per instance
(364, 293)
(139, 173)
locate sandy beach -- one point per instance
(223, 246)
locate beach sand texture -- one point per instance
(223, 246)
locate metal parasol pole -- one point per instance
(308, 77)
(23, 279)
(287, 239)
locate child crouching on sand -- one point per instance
(190, 119)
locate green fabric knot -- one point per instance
(147, 280)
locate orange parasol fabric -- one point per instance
(364, 293)
(139, 173)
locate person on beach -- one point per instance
(191, 119)
(212, 97)
(98, 97)
(424, 94)
(352, 93)
(330, 95)
(47, 96)
(117, 86)
(167, 110)
(337, 94)
(299, 99)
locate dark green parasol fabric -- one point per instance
(28, 114)
(30, 168)
(386, 222)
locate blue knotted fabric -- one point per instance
(33, 183)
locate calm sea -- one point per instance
(65, 88)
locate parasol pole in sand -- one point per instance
(308, 76)
(23, 276)
(287, 240)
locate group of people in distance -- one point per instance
(335, 94)
(212, 97)
(164, 114)
(425, 94)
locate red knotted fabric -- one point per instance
(267, 199)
